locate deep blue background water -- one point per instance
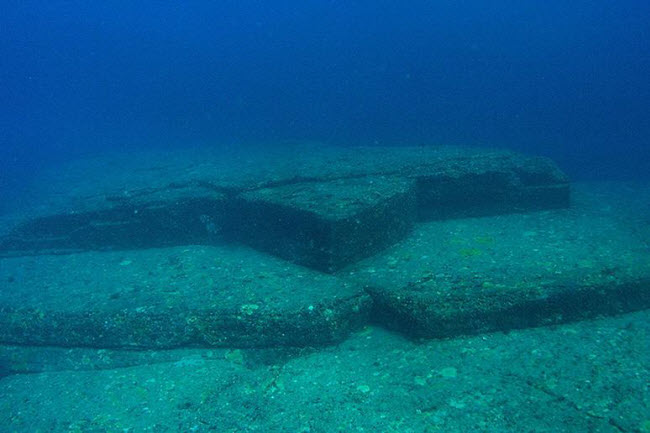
(564, 79)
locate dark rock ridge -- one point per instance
(324, 208)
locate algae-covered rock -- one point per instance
(511, 271)
(328, 225)
(170, 297)
(321, 206)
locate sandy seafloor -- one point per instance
(589, 376)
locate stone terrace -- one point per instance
(301, 248)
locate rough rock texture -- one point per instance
(145, 200)
(146, 219)
(328, 225)
(490, 185)
(510, 271)
(38, 359)
(171, 297)
(585, 377)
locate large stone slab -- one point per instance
(491, 184)
(144, 200)
(328, 225)
(171, 297)
(511, 271)
(244, 168)
(145, 219)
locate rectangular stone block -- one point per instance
(477, 275)
(328, 225)
(490, 185)
(191, 296)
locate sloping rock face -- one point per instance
(325, 208)
(490, 185)
(146, 219)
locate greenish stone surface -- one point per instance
(589, 376)
(328, 225)
(142, 219)
(195, 196)
(171, 297)
(511, 271)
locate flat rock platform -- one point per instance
(497, 273)
(172, 297)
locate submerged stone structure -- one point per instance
(325, 209)
(300, 248)
(504, 272)
(328, 225)
(194, 296)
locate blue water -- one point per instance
(564, 79)
(246, 283)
